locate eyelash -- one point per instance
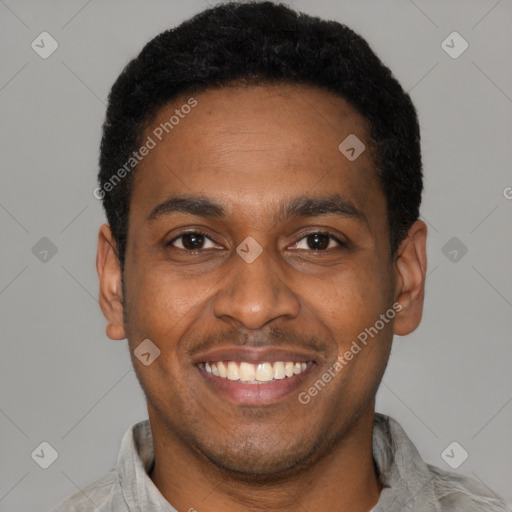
(196, 232)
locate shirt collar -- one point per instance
(407, 480)
(135, 461)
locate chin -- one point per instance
(247, 460)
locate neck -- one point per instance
(344, 479)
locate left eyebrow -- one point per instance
(308, 206)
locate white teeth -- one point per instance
(222, 370)
(233, 371)
(247, 372)
(264, 372)
(279, 370)
(254, 373)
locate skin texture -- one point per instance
(250, 149)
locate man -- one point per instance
(261, 175)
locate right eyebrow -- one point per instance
(195, 205)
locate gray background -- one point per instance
(64, 382)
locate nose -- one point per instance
(255, 293)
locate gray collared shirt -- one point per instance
(409, 483)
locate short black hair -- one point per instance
(262, 43)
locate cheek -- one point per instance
(160, 308)
(351, 299)
(160, 301)
(349, 308)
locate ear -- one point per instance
(411, 268)
(109, 274)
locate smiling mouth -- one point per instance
(251, 373)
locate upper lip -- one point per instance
(254, 355)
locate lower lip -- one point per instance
(256, 394)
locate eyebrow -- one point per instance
(298, 207)
(310, 206)
(195, 205)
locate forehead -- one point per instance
(251, 147)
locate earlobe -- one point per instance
(109, 275)
(410, 268)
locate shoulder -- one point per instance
(103, 494)
(458, 492)
(412, 484)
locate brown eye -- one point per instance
(192, 241)
(318, 242)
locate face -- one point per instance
(256, 248)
